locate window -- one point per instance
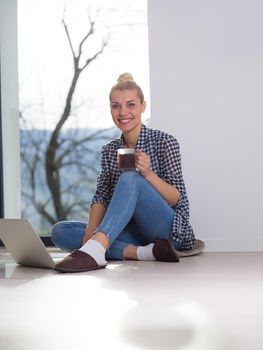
(69, 55)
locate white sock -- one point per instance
(146, 252)
(96, 250)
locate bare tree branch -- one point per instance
(90, 32)
(89, 60)
(51, 164)
(75, 144)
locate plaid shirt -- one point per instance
(164, 153)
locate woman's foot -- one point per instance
(90, 256)
(163, 250)
(78, 261)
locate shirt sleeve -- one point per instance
(103, 191)
(171, 168)
(182, 231)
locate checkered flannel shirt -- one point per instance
(164, 153)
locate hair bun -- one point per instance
(125, 77)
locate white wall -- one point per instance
(9, 100)
(206, 70)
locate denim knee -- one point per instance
(130, 177)
(58, 234)
(68, 235)
(130, 174)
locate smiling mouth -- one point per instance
(125, 121)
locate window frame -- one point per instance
(1, 160)
(1, 157)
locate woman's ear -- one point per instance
(143, 106)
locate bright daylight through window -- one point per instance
(70, 54)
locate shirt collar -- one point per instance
(141, 139)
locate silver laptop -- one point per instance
(24, 244)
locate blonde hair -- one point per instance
(126, 82)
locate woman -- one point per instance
(141, 214)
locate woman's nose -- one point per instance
(123, 110)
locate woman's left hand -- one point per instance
(142, 163)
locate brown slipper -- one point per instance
(77, 261)
(163, 250)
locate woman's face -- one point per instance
(126, 109)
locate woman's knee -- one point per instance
(58, 232)
(68, 235)
(130, 177)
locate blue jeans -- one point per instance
(137, 214)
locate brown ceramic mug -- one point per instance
(126, 158)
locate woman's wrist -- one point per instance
(149, 175)
(90, 230)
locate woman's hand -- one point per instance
(142, 163)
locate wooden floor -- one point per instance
(207, 302)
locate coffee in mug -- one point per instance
(126, 158)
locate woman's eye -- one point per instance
(114, 106)
(131, 104)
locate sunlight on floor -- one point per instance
(193, 305)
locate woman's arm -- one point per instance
(100, 199)
(96, 214)
(169, 192)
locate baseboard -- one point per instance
(231, 245)
(234, 245)
(45, 239)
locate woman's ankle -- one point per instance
(102, 239)
(130, 252)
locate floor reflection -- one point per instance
(156, 327)
(134, 306)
